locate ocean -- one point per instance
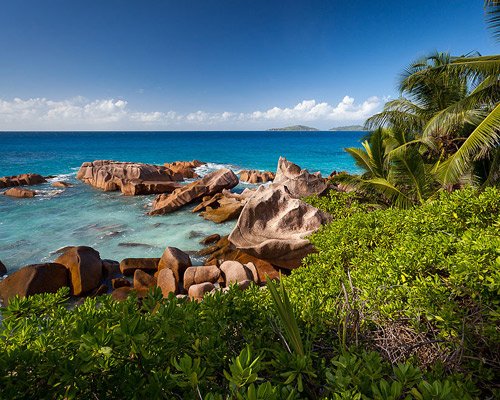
(31, 230)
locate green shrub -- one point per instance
(394, 305)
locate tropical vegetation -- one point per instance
(396, 304)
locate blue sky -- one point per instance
(207, 64)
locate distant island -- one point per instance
(294, 128)
(349, 128)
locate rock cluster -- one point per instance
(254, 176)
(207, 186)
(222, 207)
(130, 178)
(21, 180)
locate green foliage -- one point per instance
(325, 333)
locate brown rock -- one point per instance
(234, 272)
(136, 187)
(85, 267)
(175, 260)
(143, 281)
(61, 184)
(129, 265)
(185, 168)
(110, 268)
(19, 192)
(274, 226)
(299, 182)
(254, 176)
(207, 186)
(21, 180)
(224, 213)
(244, 284)
(121, 293)
(210, 239)
(3, 269)
(197, 292)
(34, 279)
(131, 178)
(196, 275)
(167, 282)
(120, 282)
(103, 289)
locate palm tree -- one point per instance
(394, 173)
(450, 104)
(492, 8)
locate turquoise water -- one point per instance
(115, 225)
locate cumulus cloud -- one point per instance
(80, 113)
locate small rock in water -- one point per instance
(195, 234)
(61, 184)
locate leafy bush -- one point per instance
(394, 305)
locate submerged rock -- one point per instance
(85, 268)
(19, 193)
(34, 279)
(207, 186)
(130, 178)
(21, 180)
(274, 226)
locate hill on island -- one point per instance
(294, 128)
(349, 128)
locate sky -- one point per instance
(217, 64)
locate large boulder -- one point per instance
(34, 279)
(196, 292)
(21, 180)
(300, 182)
(130, 178)
(20, 193)
(175, 260)
(128, 266)
(196, 275)
(137, 187)
(209, 185)
(274, 226)
(143, 281)
(254, 176)
(185, 168)
(235, 272)
(166, 282)
(221, 207)
(85, 268)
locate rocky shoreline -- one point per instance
(269, 237)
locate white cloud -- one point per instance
(80, 113)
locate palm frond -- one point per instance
(485, 136)
(492, 9)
